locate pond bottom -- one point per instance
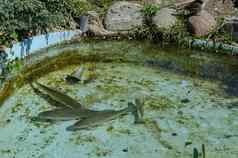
(181, 113)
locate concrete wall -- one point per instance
(31, 45)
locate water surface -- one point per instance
(190, 102)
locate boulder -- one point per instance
(124, 16)
(202, 24)
(165, 18)
(180, 4)
(218, 7)
(95, 26)
(152, 2)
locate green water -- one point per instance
(185, 106)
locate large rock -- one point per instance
(124, 16)
(165, 18)
(183, 3)
(218, 7)
(202, 24)
(95, 26)
(152, 2)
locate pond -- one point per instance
(190, 101)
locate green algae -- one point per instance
(101, 152)
(112, 89)
(159, 103)
(118, 131)
(17, 107)
(81, 139)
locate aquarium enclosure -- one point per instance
(112, 79)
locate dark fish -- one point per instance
(64, 114)
(46, 97)
(96, 118)
(64, 99)
(75, 76)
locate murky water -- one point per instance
(190, 102)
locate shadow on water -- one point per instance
(199, 64)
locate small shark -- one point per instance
(61, 114)
(87, 118)
(47, 97)
(96, 118)
(57, 96)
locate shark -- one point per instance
(47, 97)
(69, 109)
(100, 117)
(55, 97)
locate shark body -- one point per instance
(69, 109)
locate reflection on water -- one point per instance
(209, 67)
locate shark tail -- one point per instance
(140, 103)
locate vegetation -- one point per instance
(21, 18)
(149, 31)
(150, 10)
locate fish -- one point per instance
(47, 97)
(58, 96)
(76, 76)
(65, 114)
(73, 110)
(60, 114)
(99, 117)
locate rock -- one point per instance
(95, 26)
(125, 150)
(231, 27)
(124, 16)
(202, 24)
(185, 100)
(183, 3)
(152, 2)
(218, 7)
(165, 18)
(235, 3)
(83, 23)
(3, 61)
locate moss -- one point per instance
(145, 83)
(159, 103)
(6, 151)
(17, 107)
(111, 89)
(79, 139)
(187, 120)
(48, 140)
(124, 131)
(119, 131)
(110, 129)
(102, 152)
